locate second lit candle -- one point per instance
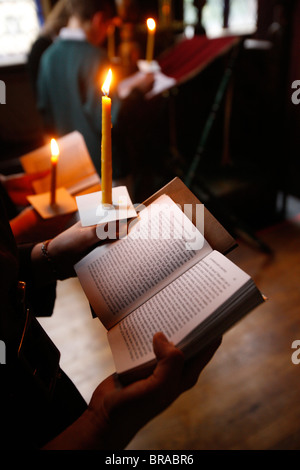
(106, 151)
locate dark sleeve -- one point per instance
(33, 61)
(43, 98)
(41, 300)
(10, 207)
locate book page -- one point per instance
(176, 310)
(120, 276)
(75, 169)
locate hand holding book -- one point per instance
(116, 413)
(138, 286)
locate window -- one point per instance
(19, 26)
(242, 16)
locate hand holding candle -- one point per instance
(54, 160)
(106, 156)
(151, 25)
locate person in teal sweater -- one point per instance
(70, 77)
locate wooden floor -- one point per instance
(248, 396)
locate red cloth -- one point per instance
(190, 56)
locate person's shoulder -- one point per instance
(92, 57)
(51, 50)
(41, 43)
(78, 52)
(94, 51)
(83, 47)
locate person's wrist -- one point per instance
(96, 430)
(83, 434)
(51, 259)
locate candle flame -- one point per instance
(151, 24)
(107, 83)
(54, 151)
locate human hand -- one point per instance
(73, 244)
(146, 83)
(119, 412)
(67, 248)
(136, 86)
(19, 186)
(116, 413)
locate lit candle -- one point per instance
(165, 12)
(106, 161)
(54, 160)
(151, 36)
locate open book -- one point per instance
(164, 276)
(75, 172)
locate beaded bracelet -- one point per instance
(46, 254)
